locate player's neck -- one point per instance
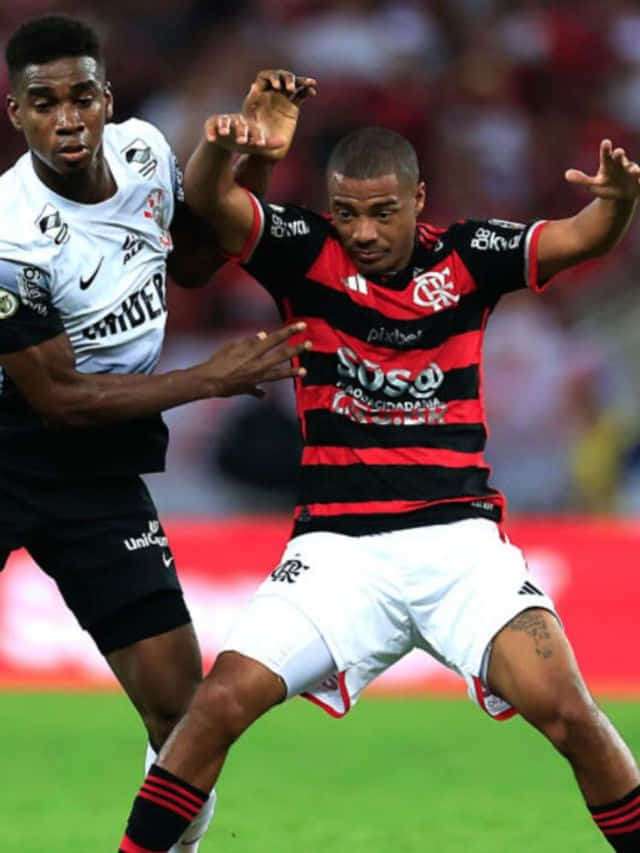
(91, 186)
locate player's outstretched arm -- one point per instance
(46, 376)
(600, 225)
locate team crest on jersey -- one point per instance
(50, 223)
(32, 291)
(435, 290)
(8, 304)
(141, 158)
(157, 208)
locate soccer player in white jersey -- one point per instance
(89, 218)
(395, 543)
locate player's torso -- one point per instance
(106, 262)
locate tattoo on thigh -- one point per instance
(534, 623)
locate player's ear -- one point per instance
(108, 100)
(13, 111)
(421, 197)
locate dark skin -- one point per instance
(62, 107)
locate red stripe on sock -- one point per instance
(168, 806)
(169, 797)
(616, 821)
(158, 780)
(620, 810)
(623, 830)
(129, 846)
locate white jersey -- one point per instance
(96, 271)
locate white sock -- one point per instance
(190, 839)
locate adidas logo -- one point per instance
(356, 283)
(528, 588)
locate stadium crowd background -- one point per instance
(499, 99)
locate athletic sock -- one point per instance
(189, 840)
(163, 809)
(619, 822)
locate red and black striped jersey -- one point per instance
(391, 407)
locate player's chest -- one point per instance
(99, 259)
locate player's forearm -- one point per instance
(87, 400)
(253, 173)
(208, 180)
(600, 226)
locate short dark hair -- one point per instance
(374, 151)
(48, 38)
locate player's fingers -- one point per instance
(240, 129)
(283, 371)
(267, 341)
(255, 391)
(288, 81)
(281, 354)
(606, 147)
(224, 125)
(575, 176)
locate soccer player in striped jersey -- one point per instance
(396, 541)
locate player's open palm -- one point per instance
(274, 101)
(617, 176)
(239, 367)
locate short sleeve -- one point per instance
(283, 244)
(177, 178)
(501, 256)
(27, 317)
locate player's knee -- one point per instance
(221, 707)
(570, 719)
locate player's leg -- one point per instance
(294, 634)
(532, 666)
(107, 551)
(238, 690)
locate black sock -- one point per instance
(163, 809)
(619, 822)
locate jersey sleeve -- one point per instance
(283, 244)
(27, 317)
(501, 256)
(177, 178)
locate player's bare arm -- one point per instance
(212, 185)
(600, 225)
(45, 374)
(273, 101)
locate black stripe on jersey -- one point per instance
(312, 299)
(328, 429)
(460, 383)
(348, 483)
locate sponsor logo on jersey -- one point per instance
(157, 208)
(281, 228)
(435, 290)
(50, 223)
(393, 337)
(140, 156)
(131, 246)
(409, 400)
(9, 304)
(87, 282)
(138, 308)
(356, 283)
(33, 292)
(487, 240)
(289, 571)
(148, 538)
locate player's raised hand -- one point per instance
(617, 177)
(241, 366)
(274, 101)
(237, 132)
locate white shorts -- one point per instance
(447, 589)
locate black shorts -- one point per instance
(103, 545)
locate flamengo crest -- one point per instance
(435, 290)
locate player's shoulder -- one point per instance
(484, 234)
(139, 144)
(292, 220)
(134, 128)
(21, 212)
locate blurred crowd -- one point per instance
(499, 97)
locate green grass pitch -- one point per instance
(411, 775)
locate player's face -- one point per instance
(61, 107)
(376, 220)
